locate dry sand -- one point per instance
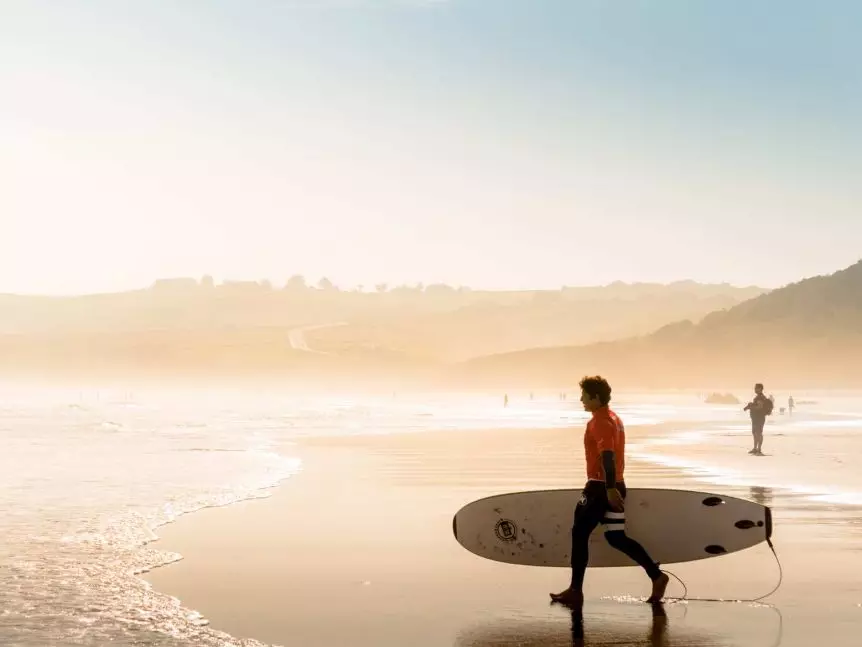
(358, 550)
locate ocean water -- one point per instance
(88, 476)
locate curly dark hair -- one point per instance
(596, 386)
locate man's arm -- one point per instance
(606, 437)
(610, 466)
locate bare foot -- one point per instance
(569, 597)
(659, 586)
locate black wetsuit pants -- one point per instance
(592, 510)
(757, 425)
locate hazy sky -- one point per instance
(492, 143)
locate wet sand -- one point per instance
(358, 550)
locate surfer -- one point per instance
(758, 409)
(603, 497)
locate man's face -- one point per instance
(758, 390)
(590, 403)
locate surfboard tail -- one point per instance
(768, 523)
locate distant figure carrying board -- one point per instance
(758, 409)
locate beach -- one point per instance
(357, 548)
(200, 517)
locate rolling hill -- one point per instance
(806, 333)
(186, 327)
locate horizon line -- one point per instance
(419, 286)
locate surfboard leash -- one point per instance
(685, 597)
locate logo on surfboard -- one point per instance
(506, 530)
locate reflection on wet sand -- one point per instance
(655, 638)
(761, 495)
(579, 633)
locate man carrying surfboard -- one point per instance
(603, 497)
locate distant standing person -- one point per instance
(758, 409)
(790, 405)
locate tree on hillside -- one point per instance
(326, 285)
(296, 283)
(439, 288)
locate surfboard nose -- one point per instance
(455, 526)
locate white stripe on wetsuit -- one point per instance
(614, 521)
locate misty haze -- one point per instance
(430, 323)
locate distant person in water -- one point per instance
(790, 405)
(603, 498)
(506, 400)
(758, 409)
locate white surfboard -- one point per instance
(534, 528)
